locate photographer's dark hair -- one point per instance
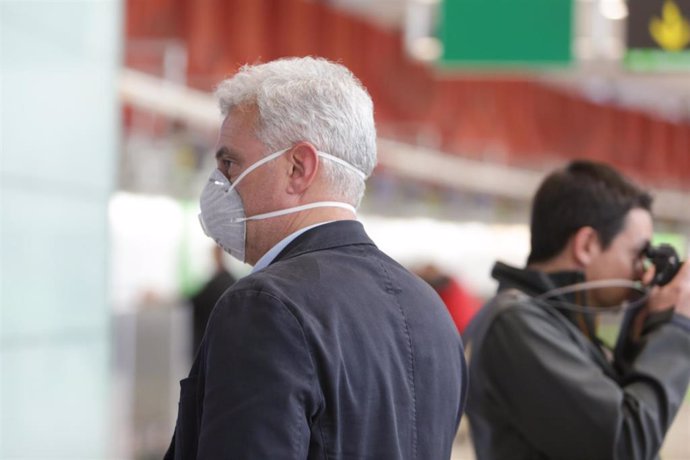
(585, 193)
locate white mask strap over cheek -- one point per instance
(262, 161)
(282, 212)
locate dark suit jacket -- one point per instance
(332, 351)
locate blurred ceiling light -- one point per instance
(614, 10)
(426, 48)
(421, 18)
(584, 49)
(614, 47)
(426, 2)
(168, 98)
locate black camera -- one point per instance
(666, 262)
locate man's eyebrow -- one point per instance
(642, 247)
(222, 152)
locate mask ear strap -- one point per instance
(282, 212)
(342, 162)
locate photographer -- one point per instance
(542, 384)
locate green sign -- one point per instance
(506, 33)
(658, 34)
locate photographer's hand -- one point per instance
(675, 294)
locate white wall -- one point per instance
(58, 141)
(158, 245)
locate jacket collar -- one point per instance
(327, 236)
(533, 283)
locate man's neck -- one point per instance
(286, 225)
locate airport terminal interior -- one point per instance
(107, 132)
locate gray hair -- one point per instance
(314, 100)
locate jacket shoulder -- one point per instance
(515, 311)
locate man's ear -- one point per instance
(304, 165)
(585, 246)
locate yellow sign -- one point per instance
(672, 30)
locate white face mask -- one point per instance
(222, 214)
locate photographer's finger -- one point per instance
(682, 284)
(648, 275)
(670, 295)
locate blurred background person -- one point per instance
(205, 299)
(461, 303)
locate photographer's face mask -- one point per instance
(222, 214)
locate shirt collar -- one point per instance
(272, 253)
